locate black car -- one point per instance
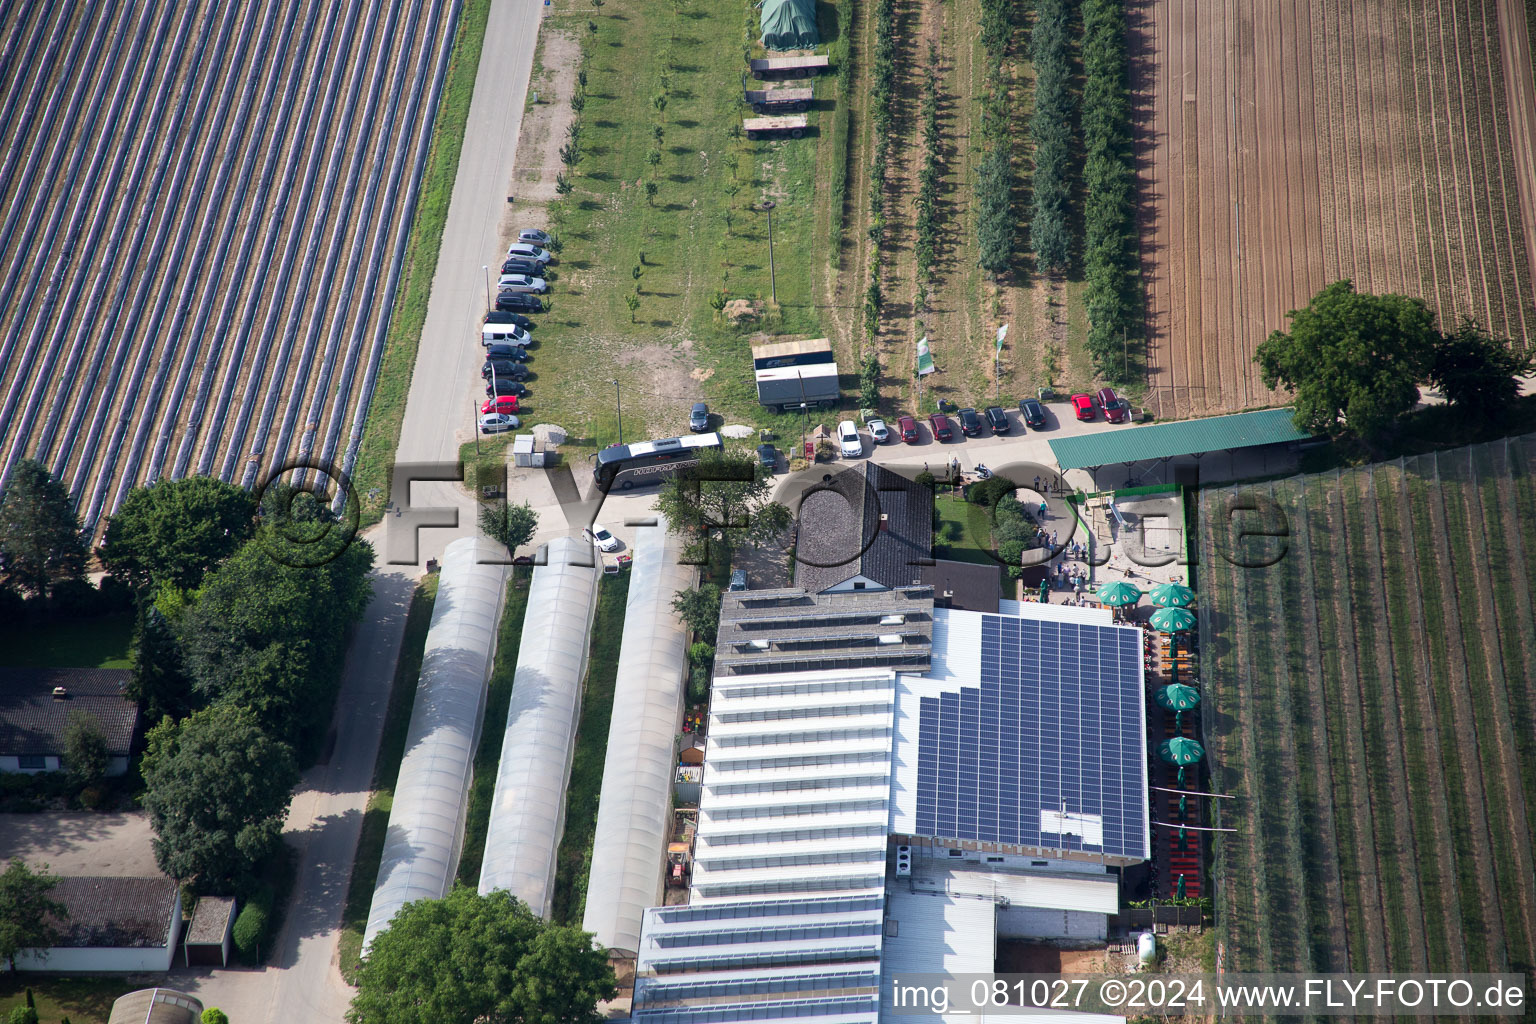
(698, 419)
(516, 266)
(1032, 413)
(970, 423)
(997, 419)
(519, 302)
(503, 386)
(496, 316)
(504, 353)
(503, 368)
(768, 457)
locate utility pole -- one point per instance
(773, 283)
(487, 272)
(619, 405)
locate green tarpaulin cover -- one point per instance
(790, 24)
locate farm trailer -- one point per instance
(788, 67)
(771, 101)
(792, 125)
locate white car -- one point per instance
(521, 283)
(496, 422)
(503, 334)
(600, 536)
(848, 440)
(524, 251)
(878, 431)
(533, 236)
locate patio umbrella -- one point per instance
(1177, 697)
(1172, 595)
(1173, 620)
(1181, 751)
(1117, 594)
(1045, 590)
(1179, 893)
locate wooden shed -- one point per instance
(208, 936)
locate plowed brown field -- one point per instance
(1290, 143)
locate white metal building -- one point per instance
(797, 785)
(633, 813)
(426, 823)
(528, 810)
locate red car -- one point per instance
(502, 403)
(1114, 409)
(939, 423)
(908, 427)
(1083, 406)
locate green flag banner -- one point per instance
(1002, 332)
(924, 359)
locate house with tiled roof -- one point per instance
(111, 924)
(35, 709)
(863, 528)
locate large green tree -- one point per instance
(176, 530)
(1353, 361)
(725, 500)
(85, 749)
(1476, 372)
(27, 911)
(40, 541)
(472, 959)
(699, 608)
(159, 686)
(509, 525)
(217, 788)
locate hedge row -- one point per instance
(994, 179)
(884, 85)
(928, 183)
(1050, 129)
(1112, 292)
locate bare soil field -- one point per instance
(204, 211)
(1289, 143)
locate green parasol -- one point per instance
(1117, 594)
(1179, 893)
(1172, 595)
(1181, 751)
(1045, 591)
(1177, 697)
(1173, 620)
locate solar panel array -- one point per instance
(1056, 725)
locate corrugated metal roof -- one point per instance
(1186, 437)
(1051, 890)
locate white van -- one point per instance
(503, 334)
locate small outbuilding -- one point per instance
(789, 24)
(209, 933)
(111, 925)
(156, 1006)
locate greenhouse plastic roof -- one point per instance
(632, 814)
(421, 849)
(528, 810)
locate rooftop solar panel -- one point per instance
(1047, 751)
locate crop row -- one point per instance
(1050, 129)
(881, 117)
(229, 139)
(994, 175)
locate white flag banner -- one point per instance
(1002, 332)
(924, 358)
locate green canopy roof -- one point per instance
(1117, 594)
(1177, 697)
(1172, 595)
(1181, 750)
(1165, 440)
(790, 24)
(1173, 620)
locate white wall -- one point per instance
(12, 763)
(850, 585)
(107, 959)
(1034, 923)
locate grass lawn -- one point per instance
(387, 410)
(697, 238)
(101, 642)
(574, 861)
(82, 1000)
(397, 718)
(509, 636)
(959, 536)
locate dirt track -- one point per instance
(1289, 143)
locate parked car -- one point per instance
(849, 443)
(939, 424)
(496, 316)
(503, 368)
(600, 536)
(738, 580)
(521, 283)
(503, 334)
(908, 429)
(997, 419)
(1032, 413)
(503, 386)
(698, 419)
(1114, 409)
(1083, 406)
(502, 351)
(524, 251)
(533, 236)
(768, 457)
(878, 431)
(520, 266)
(518, 302)
(970, 423)
(496, 422)
(501, 403)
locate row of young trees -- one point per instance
(994, 177)
(884, 85)
(926, 250)
(1112, 277)
(1050, 127)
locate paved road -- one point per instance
(305, 985)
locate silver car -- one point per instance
(516, 283)
(524, 251)
(533, 236)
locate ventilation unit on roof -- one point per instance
(903, 861)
